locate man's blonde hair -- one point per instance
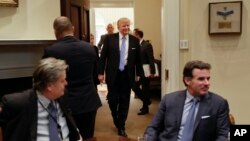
(62, 24)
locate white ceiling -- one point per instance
(111, 3)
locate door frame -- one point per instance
(170, 46)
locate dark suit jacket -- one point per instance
(96, 80)
(18, 117)
(147, 55)
(100, 43)
(82, 60)
(211, 124)
(110, 58)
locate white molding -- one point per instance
(16, 71)
(111, 3)
(170, 42)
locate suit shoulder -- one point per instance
(104, 36)
(216, 97)
(133, 37)
(110, 36)
(84, 43)
(175, 94)
(20, 95)
(17, 100)
(146, 42)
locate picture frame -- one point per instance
(8, 3)
(225, 18)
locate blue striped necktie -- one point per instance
(189, 124)
(122, 54)
(53, 124)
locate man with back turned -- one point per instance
(82, 59)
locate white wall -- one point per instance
(31, 20)
(228, 55)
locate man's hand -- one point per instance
(137, 78)
(151, 76)
(101, 78)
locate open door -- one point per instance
(78, 12)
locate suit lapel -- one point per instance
(203, 109)
(129, 46)
(132, 45)
(33, 115)
(142, 43)
(116, 43)
(180, 106)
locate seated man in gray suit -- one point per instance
(194, 114)
(41, 113)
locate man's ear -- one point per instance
(56, 34)
(49, 87)
(187, 80)
(73, 29)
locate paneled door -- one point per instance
(78, 12)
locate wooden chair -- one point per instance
(1, 135)
(232, 120)
(155, 83)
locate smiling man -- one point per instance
(120, 56)
(194, 114)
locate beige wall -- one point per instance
(228, 55)
(31, 20)
(148, 18)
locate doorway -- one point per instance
(101, 17)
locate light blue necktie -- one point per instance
(189, 125)
(122, 54)
(53, 124)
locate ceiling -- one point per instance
(111, 3)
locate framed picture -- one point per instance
(9, 3)
(225, 17)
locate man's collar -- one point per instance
(44, 100)
(189, 96)
(120, 36)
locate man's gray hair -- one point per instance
(48, 70)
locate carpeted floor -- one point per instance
(135, 125)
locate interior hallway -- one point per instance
(135, 125)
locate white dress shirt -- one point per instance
(126, 50)
(43, 121)
(187, 106)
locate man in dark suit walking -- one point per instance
(194, 114)
(119, 58)
(82, 59)
(110, 30)
(147, 58)
(25, 116)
